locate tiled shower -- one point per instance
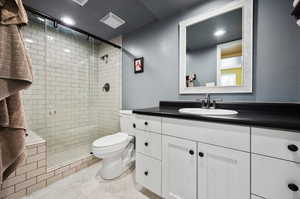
(66, 104)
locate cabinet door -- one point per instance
(179, 168)
(223, 173)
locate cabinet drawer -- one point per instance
(148, 144)
(148, 123)
(274, 178)
(275, 143)
(148, 173)
(231, 136)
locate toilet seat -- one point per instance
(111, 140)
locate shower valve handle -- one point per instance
(146, 173)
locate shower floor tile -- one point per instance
(87, 184)
(59, 159)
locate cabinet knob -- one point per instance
(191, 152)
(293, 187)
(201, 154)
(146, 143)
(146, 123)
(134, 126)
(146, 173)
(293, 148)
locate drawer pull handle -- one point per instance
(293, 187)
(293, 148)
(146, 123)
(146, 173)
(146, 143)
(201, 154)
(134, 126)
(191, 152)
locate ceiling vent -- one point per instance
(112, 20)
(80, 2)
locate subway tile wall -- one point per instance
(66, 104)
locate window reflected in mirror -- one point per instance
(214, 51)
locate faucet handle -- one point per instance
(215, 102)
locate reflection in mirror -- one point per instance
(214, 51)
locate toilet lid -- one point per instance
(110, 140)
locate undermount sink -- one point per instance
(203, 111)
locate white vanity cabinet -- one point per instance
(186, 159)
(204, 161)
(179, 168)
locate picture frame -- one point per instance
(139, 65)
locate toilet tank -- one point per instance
(126, 121)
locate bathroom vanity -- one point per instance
(187, 152)
(254, 154)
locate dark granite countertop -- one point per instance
(279, 116)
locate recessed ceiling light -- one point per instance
(68, 21)
(112, 20)
(219, 33)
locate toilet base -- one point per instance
(114, 167)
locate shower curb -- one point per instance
(33, 174)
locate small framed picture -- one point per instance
(139, 65)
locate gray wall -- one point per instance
(276, 58)
(204, 63)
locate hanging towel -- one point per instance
(15, 75)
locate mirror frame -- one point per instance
(247, 8)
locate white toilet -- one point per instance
(117, 150)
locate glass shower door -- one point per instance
(68, 67)
(66, 104)
(34, 98)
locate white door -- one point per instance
(179, 168)
(223, 173)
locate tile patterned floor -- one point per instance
(87, 184)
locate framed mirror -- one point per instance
(216, 50)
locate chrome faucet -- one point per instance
(207, 102)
